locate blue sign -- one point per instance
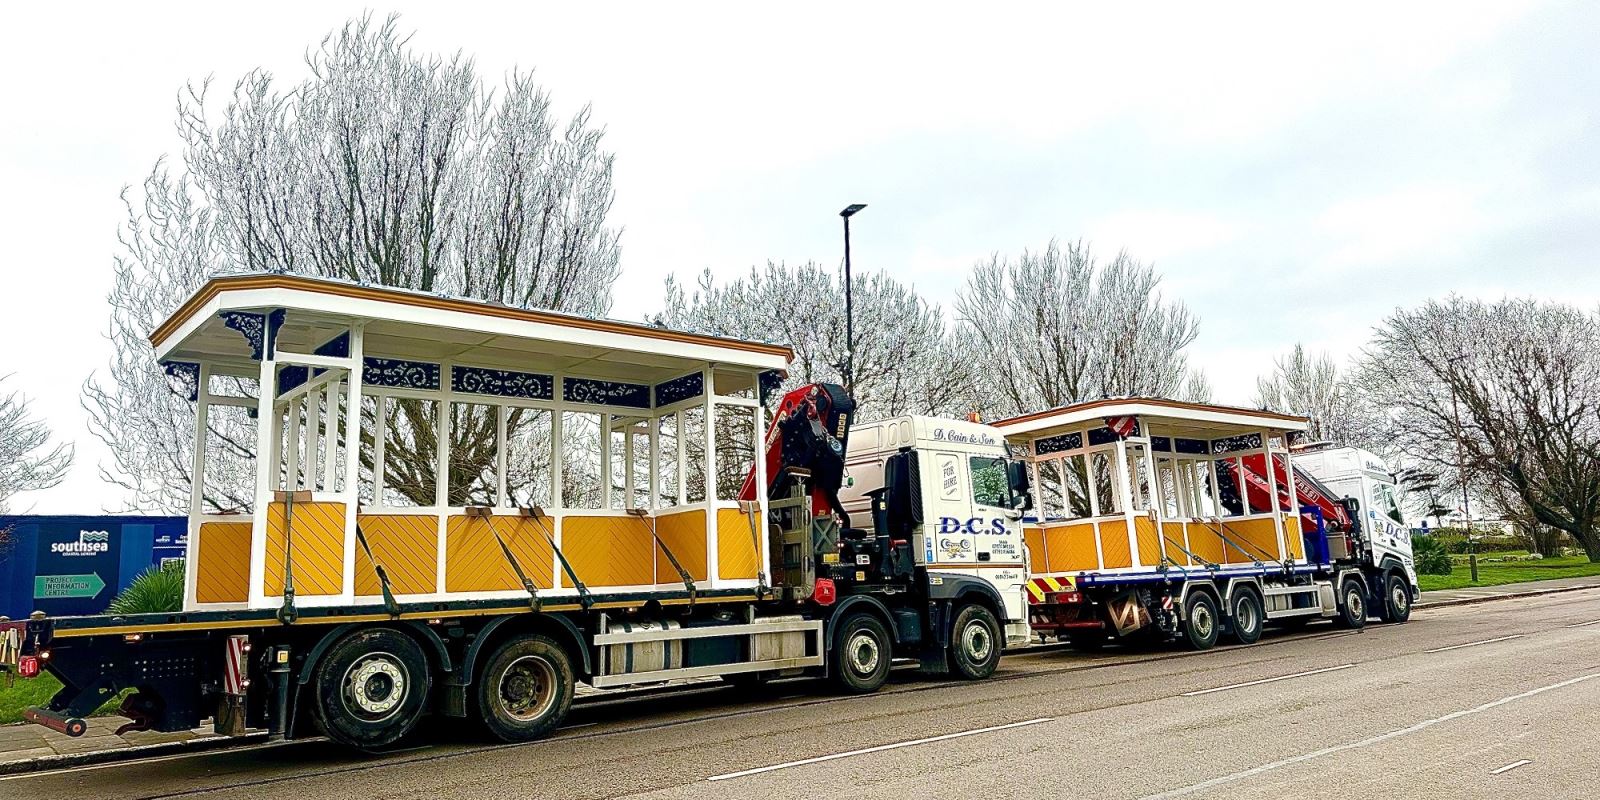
(67, 566)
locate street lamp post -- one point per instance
(1461, 476)
(849, 310)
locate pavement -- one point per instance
(1479, 696)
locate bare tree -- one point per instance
(1308, 384)
(1058, 327)
(384, 166)
(1514, 386)
(906, 362)
(28, 462)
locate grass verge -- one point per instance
(1511, 572)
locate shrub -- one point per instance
(1430, 555)
(157, 590)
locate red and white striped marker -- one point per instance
(235, 671)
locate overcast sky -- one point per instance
(1293, 174)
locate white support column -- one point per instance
(1125, 485)
(380, 434)
(1155, 497)
(1272, 493)
(557, 496)
(605, 460)
(197, 483)
(628, 494)
(712, 563)
(351, 494)
(654, 495)
(501, 495)
(683, 461)
(292, 480)
(330, 436)
(441, 475)
(763, 554)
(266, 477)
(1294, 499)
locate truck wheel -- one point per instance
(1352, 605)
(526, 689)
(1200, 623)
(1396, 599)
(975, 643)
(861, 654)
(1247, 617)
(371, 688)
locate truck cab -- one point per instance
(1351, 472)
(966, 531)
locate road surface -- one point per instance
(1498, 699)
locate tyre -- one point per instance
(861, 654)
(1352, 605)
(1200, 622)
(1246, 617)
(975, 643)
(526, 689)
(1396, 598)
(371, 688)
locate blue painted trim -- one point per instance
(680, 389)
(399, 373)
(605, 393)
(502, 383)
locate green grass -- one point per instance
(24, 692)
(1510, 572)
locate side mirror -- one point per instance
(902, 486)
(1017, 477)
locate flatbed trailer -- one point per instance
(465, 509)
(1162, 518)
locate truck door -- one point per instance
(996, 530)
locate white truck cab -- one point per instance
(971, 502)
(1363, 475)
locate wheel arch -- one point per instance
(434, 647)
(861, 602)
(564, 631)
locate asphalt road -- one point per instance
(1498, 699)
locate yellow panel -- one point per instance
(1296, 540)
(1172, 532)
(684, 533)
(1204, 541)
(1262, 535)
(1033, 537)
(1114, 544)
(736, 548)
(407, 547)
(224, 570)
(1149, 541)
(1070, 548)
(609, 551)
(474, 562)
(318, 554)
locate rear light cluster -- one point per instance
(28, 666)
(1066, 598)
(825, 593)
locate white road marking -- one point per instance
(1199, 692)
(1475, 644)
(880, 748)
(1371, 740)
(1583, 624)
(1513, 765)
